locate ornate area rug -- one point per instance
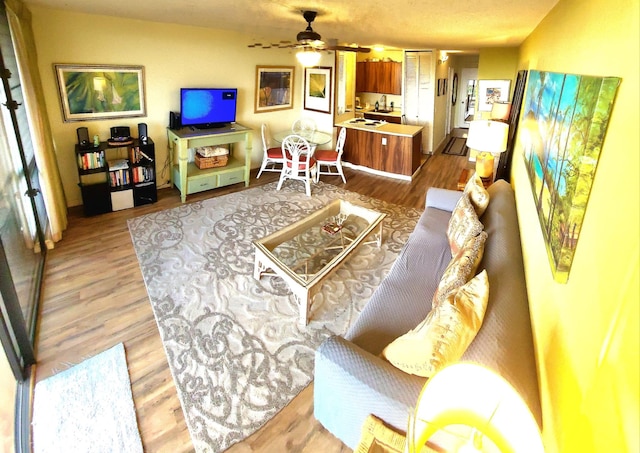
(87, 408)
(234, 345)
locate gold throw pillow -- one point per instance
(445, 334)
(478, 195)
(461, 267)
(463, 224)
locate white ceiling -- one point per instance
(405, 24)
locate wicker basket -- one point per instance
(211, 162)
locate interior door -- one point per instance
(419, 94)
(465, 108)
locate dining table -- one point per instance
(315, 138)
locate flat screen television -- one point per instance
(205, 108)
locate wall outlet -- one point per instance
(384, 141)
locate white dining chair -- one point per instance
(272, 158)
(304, 126)
(299, 163)
(331, 159)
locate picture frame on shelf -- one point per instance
(317, 89)
(97, 92)
(490, 91)
(274, 88)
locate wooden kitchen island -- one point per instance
(389, 149)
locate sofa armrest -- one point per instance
(350, 384)
(443, 199)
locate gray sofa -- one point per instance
(353, 381)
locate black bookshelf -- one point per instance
(116, 177)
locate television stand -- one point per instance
(188, 178)
(203, 127)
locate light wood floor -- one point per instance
(94, 297)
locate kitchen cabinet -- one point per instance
(383, 77)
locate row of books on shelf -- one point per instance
(142, 174)
(136, 155)
(119, 177)
(90, 161)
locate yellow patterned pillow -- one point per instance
(477, 194)
(463, 224)
(461, 267)
(445, 334)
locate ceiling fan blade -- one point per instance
(349, 49)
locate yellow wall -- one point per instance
(173, 56)
(497, 64)
(587, 330)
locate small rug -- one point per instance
(457, 146)
(234, 345)
(87, 408)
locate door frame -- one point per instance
(466, 74)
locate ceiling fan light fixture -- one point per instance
(308, 56)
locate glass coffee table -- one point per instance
(306, 252)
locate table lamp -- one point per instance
(487, 138)
(465, 408)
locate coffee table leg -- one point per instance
(258, 268)
(304, 299)
(379, 238)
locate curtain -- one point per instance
(50, 181)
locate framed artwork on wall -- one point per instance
(274, 88)
(96, 92)
(317, 89)
(564, 122)
(490, 91)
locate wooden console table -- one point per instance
(188, 178)
(466, 173)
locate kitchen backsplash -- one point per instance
(371, 98)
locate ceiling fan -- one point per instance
(310, 39)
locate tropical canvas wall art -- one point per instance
(565, 118)
(94, 92)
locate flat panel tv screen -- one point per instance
(208, 107)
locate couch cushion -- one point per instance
(504, 343)
(478, 195)
(403, 299)
(463, 224)
(446, 332)
(462, 267)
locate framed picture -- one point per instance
(317, 89)
(564, 122)
(98, 92)
(274, 88)
(490, 91)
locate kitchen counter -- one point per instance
(405, 130)
(397, 113)
(386, 149)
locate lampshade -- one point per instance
(488, 136)
(470, 408)
(500, 111)
(308, 56)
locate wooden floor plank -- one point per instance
(94, 297)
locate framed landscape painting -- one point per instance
(317, 89)
(95, 92)
(274, 88)
(565, 118)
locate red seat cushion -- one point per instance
(302, 165)
(327, 155)
(274, 153)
